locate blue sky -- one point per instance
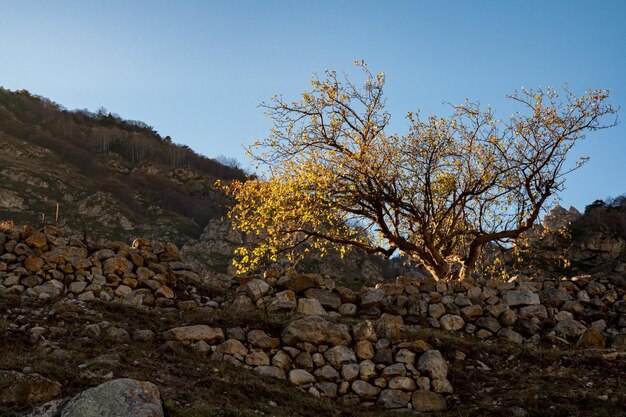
(197, 70)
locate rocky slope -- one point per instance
(98, 309)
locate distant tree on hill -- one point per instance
(441, 193)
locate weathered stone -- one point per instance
(389, 326)
(488, 323)
(117, 263)
(364, 330)
(297, 283)
(570, 328)
(364, 349)
(310, 307)
(591, 339)
(350, 372)
(511, 335)
(365, 390)
(198, 332)
(282, 301)
(436, 310)
(393, 398)
(537, 311)
(472, 312)
(442, 386)
(434, 364)
(339, 355)
(123, 291)
(347, 310)
(256, 289)
(372, 297)
(508, 318)
(316, 330)
(327, 373)
(145, 336)
(37, 240)
(367, 370)
(427, 401)
(26, 389)
(50, 409)
(258, 358)
(304, 360)
(402, 383)
(130, 398)
(282, 360)
(117, 334)
(619, 342)
(33, 264)
(259, 338)
(233, 347)
(87, 296)
(328, 299)
(271, 371)
(520, 297)
(418, 346)
(405, 356)
(391, 371)
(327, 389)
(451, 322)
(301, 377)
(165, 292)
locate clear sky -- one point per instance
(197, 70)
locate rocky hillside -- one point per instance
(111, 178)
(285, 343)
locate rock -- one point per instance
(256, 289)
(442, 386)
(117, 263)
(511, 335)
(117, 335)
(365, 390)
(405, 356)
(262, 340)
(402, 383)
(364, 349)
(327, 374)
(451, 322)
(417, 346)
(364, 330)
(472, 312)
(350, 372)
(271, 371)
(427, 401)
(26, 389)
(327, 299)
(372, 297)
(328, 389)
(436, 310)
(591, 339)
(282, 360)
(282, 301)
(77, 287)
(393, 398)
(130, 398)
(520, 298)
(33, 264)
(537, 311)
(258, 358)
(347, 310)
(310, 307)
(50, 409)
(339, 355)
(367, 370)
(297, 283)
(37, 240)
(301, 377)
(233, 347)
(198, 332)
(316, 330)
(434, 364)
(570, 328)
(488, 323)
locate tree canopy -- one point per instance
(335, 177)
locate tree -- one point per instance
(335, 177)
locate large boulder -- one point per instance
(316, 330)
(117, 398)
(22, 389)
(433, 364)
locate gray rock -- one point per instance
(451, 322)
(340, 355)
(426, 401)
(117, 398)
(316, 330)
(434, 364)
(300, 377)
(24, 389)
(393, 398)
(50, 409)
(365, 390)
(520, 297)
(511, 335)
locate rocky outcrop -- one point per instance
(116, 398)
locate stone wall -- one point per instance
(345, 344)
